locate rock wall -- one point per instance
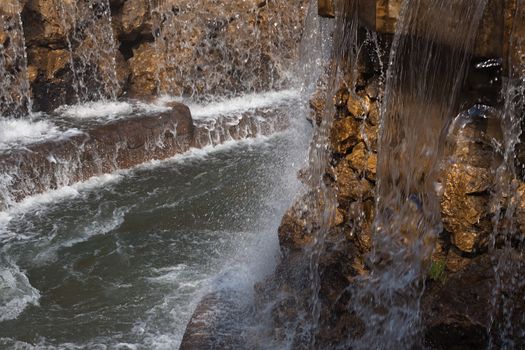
(473, 288)
(192, 48)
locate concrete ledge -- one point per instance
(121, 144)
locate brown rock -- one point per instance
(132, 17)
(293, 233)
(350, 186)
(339, 217)
(144, 69)
(455, 262)
(373, 88)
(344, 134)
(358, 105)
(465, 205)
(43, 23)
(490, 36)
(326, 8)
(363, 161)
(317, 105)
(370, 136)
(341, 96)
(374, 115)
(52, 85)
(3, 37)
(520, 209)
(123, 72)
(32, 73)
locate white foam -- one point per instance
(19, 132)
(40, 201)
(168, 275)
(157, 106)
(231, 106)
(98, 109)
(16, 293)
(244, 103)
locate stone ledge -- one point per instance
(121, 144)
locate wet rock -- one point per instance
(132, 18)
(293, 232)
(369, 135)
(455, 262)
(123, 72)
(317, 106)
(358, 105)
(43, 23)
(216, 323)
(384, 17)
(344, 134)
(465, 205)
(52, 78)
(144, 70)
(520, 209)
(350, 185)
(326, 8)
(363, 161)
(374, 115)
(373, 89)
(455, 312)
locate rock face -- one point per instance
(192, 48)
(473, 291)
(205, 47)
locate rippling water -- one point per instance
(122, 260)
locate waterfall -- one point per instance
(89, 35)
(15, 97)
(506, 236)
(427, 64)
(207, 50)
(321, 200)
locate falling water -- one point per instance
(508, 330)
(90, 40)
(321, 201)
(427, 64)
(15, 99)
(206, 48)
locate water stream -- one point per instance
(92, 50)
(421, 73)
(15, 100)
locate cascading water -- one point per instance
(422, 85)
(322, 203)
(15, 98)
(201, 56)
(506, 241)
(89, 35)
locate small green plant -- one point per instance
(437, 271)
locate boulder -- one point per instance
(44, 23)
